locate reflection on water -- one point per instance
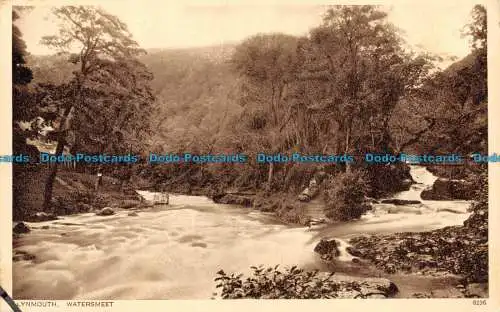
(173, 252)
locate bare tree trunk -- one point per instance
(372, 134)
(270, 176)
(346, 151)
(98, 182)
(49, 185)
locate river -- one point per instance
(174, 251)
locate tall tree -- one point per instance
(108, 68)
(22, 108)
(360, 71)
(267, 62)
(477, 29)
(455, 100)
(21, 74)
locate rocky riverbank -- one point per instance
(73, 193)
(292, 190)
(460, 251)
(448, 189)
(285, 206)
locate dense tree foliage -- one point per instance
(22, 75)
(104, 105)
(350, 86)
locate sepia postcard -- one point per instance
(271, 155)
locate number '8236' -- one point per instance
(479, 302)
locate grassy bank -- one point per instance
(73, 192)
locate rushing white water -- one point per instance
(389, 218)
(169, 252)
(174, 251)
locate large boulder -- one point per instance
(327, 249)
(41, 217)
(21, 228)
(446, 189)
(107, 211)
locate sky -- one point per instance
(434, 27)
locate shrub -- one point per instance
(387, 179)
(271, 283)
(345, 195)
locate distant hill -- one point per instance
(194, 87)
(215, 53)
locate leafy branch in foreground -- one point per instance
(271, 283)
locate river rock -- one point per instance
(19, 255)
(360, 287)
(353, 251)
(451, 251)
(21, 228)
(446, 189)
(133, 214)
(41, 217)
(107, 211)
(400, 202)
(327, 249)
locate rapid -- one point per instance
(174, 251)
